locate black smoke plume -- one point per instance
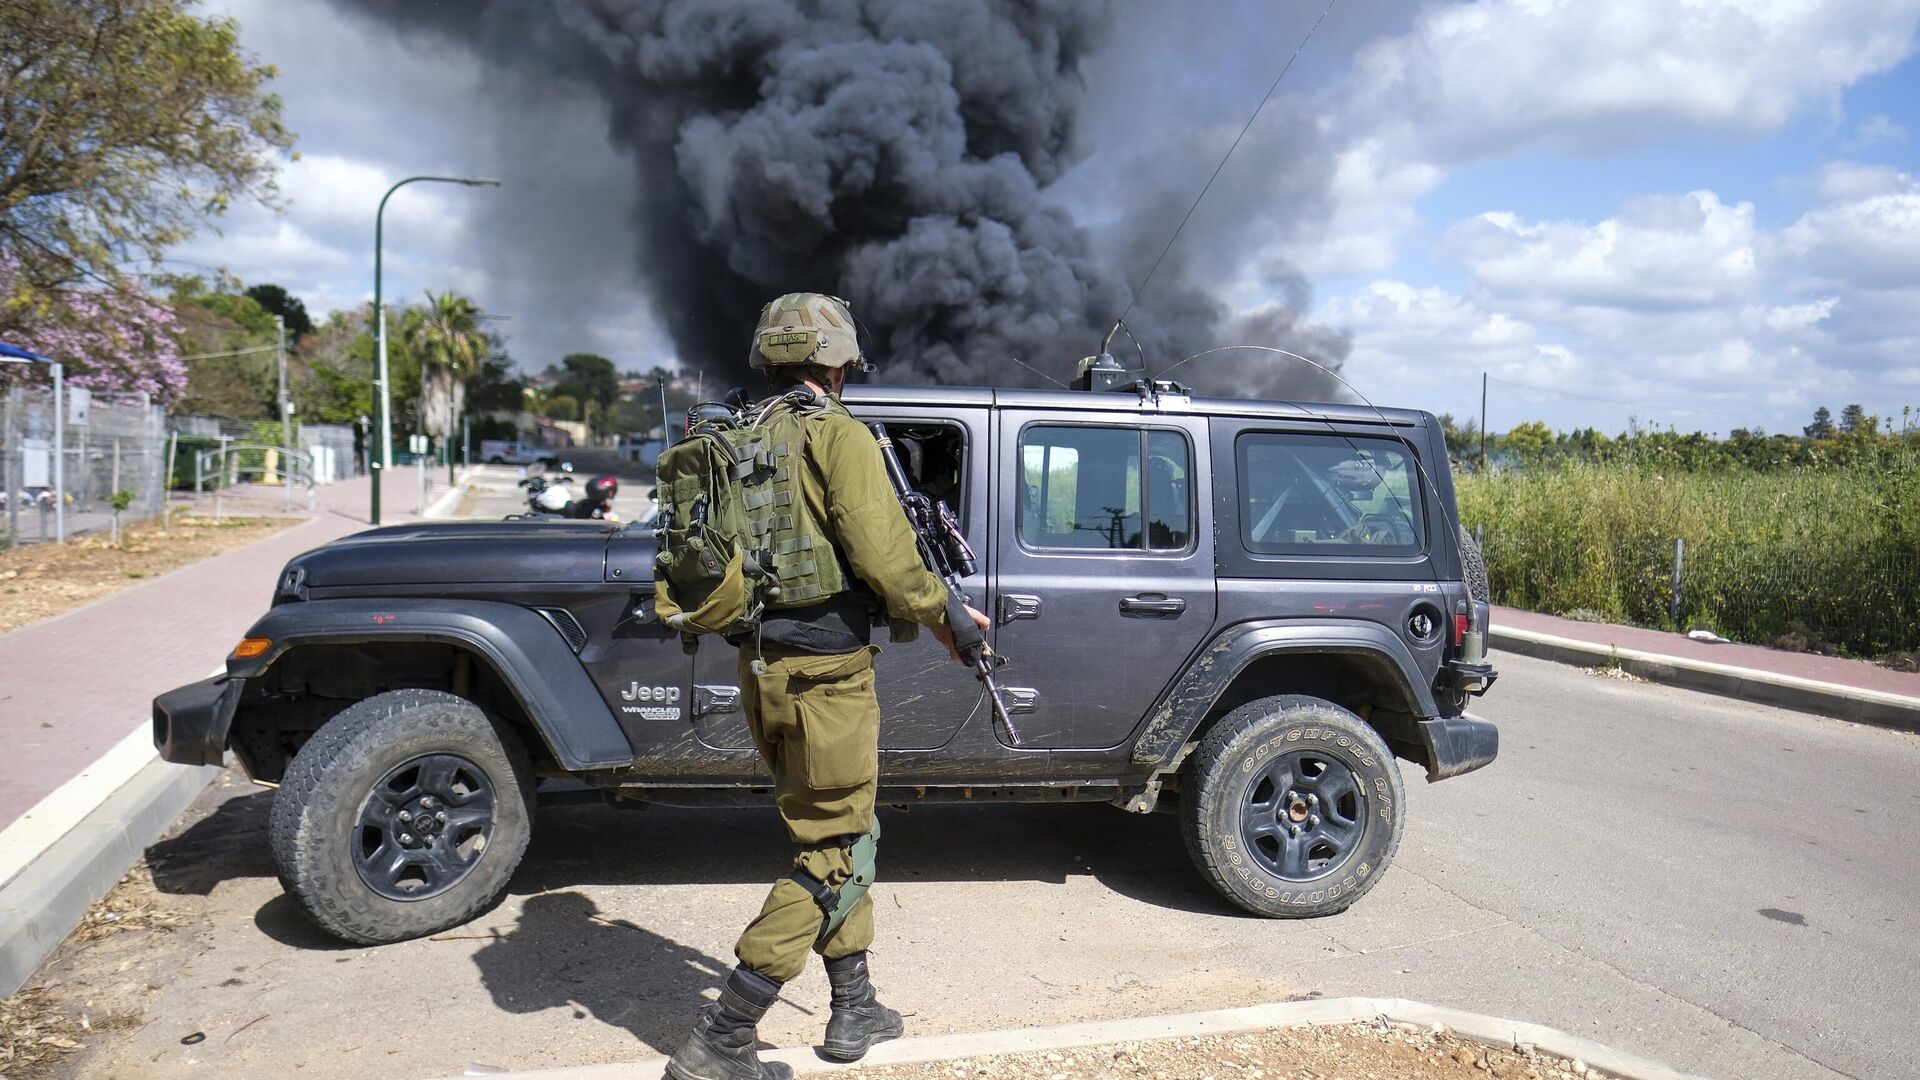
(895, 153)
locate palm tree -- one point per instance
(445, 337)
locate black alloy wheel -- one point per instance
(1305, 814)
(424, 827)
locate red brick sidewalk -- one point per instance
(77, 684)
(1858, 674)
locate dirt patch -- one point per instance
(39, 581)
(46, 1023)
(1351, 1052)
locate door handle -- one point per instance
(1018, 606)
(1153, 604)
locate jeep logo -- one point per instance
(636, 692)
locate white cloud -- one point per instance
(1660, 253)
(1487, 78)
(1677, 309)
(1879, 128)
(1867, 231)
(1491, 79)
(1372, 209)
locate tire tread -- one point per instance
(349, 742)
(1203, 773)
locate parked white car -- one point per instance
(505, 452)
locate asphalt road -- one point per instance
(1726, 887)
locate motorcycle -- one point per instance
(551, 499)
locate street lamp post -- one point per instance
(383, 406)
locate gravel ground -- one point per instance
(39, 581)
(1353, 1052)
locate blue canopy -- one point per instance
(18, 353)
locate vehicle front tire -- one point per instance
(403, 815)
(1292, 807)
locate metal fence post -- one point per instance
(8, 480)
(1679, 555)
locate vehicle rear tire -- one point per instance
(496, 460)
(402, 816)
(1292, 807)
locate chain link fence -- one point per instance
(112, 450)
(1835, 599)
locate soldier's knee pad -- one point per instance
(837, 904)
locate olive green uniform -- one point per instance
(815, 717)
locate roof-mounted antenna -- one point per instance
(1134, 298)
(1038, 372)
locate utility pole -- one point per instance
(1483, 421)
(286, 419)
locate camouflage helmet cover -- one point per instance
(806, 328)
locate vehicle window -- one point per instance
(1084, 487)
(934, 454)
(1326, 495)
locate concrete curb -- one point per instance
(43, 903)
(447, 501)
(1487, 1030)
(1873, 707)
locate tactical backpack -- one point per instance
(735, 535)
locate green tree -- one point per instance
(1822, 426)
(127, 124)
(592, 381)
(275, 300)
(561, 407)
(1854, 420)
(446, 341)
(1529, 440)
(225, 340)
(334, 370)
(1463, 439)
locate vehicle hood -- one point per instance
(450, 553)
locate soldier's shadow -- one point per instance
(564, 954)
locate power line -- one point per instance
(235, 352)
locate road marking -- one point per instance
(53, 817)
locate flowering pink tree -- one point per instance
(109, 339)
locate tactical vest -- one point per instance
(736, 535)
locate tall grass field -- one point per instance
(1825, 558)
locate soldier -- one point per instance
(808, 686)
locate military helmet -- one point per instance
(806, 328)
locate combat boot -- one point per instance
(858, 1020)
(722, 1046)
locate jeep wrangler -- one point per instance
(1239, 611)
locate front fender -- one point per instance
(532, 658)
(1181, 710)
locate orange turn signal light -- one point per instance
(252, 647)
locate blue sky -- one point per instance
(1705, 215)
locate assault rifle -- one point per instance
(947, 554)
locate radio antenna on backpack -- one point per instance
(1248, 126)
